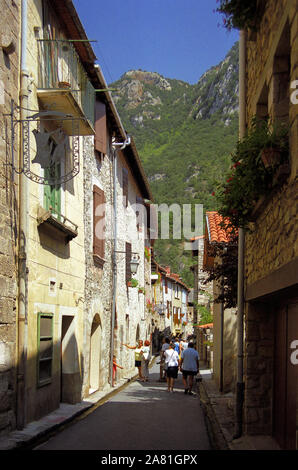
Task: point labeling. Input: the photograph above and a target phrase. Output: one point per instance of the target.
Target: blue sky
(177, 38)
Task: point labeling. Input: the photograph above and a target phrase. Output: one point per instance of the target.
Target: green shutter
(44, 348)
(52, 193)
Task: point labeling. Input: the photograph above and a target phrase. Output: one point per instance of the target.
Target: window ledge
(98, 260)
(54, 227)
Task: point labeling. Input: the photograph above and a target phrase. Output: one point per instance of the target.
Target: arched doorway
(95, 354)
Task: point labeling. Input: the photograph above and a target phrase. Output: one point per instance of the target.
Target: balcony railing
(60, 68)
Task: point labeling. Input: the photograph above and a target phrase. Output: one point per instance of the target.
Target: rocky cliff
(184, 134)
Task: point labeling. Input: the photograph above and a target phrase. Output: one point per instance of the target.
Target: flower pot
(270, 157)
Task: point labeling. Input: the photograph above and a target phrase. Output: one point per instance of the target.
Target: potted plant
(132, 283)
(275, 144)
(147, 253)
(246, 180)
(249, 179)
(141, 290)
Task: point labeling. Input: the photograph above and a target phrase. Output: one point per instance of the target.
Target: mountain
(184, 135)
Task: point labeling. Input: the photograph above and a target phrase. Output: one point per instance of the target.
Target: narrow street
(142, 416)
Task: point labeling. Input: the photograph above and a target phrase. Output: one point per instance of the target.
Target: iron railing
(59, 67)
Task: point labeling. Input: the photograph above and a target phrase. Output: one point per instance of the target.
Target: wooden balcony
(63, 86)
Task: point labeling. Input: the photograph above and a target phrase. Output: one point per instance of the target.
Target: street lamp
(134, 263)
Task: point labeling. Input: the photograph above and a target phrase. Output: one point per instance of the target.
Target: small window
(127, 262)
(45, 348)
(98, 223)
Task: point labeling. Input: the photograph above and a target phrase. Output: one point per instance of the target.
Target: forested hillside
(184, 135)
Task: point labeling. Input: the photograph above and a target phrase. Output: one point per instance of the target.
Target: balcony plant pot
(271, 156)
(64, 85)
(132, 283)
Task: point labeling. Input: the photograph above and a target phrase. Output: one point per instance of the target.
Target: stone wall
(259, 329)
(9, 81)
(98, 280)
(272, 242)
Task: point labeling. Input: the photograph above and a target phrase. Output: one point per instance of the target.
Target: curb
(217, 437)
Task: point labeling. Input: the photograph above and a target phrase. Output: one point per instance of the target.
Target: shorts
(172, 372)
(186, 373)
(138, 363)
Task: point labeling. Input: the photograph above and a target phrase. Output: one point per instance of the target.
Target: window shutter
(125, 186)
(98, 222)
(127, 260)
(100, 140)
(140, 213)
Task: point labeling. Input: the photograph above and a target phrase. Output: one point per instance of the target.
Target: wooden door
(285, 376)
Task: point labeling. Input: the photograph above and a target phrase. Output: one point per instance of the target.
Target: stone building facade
(57, 325)
(9, 90)
(271, 249)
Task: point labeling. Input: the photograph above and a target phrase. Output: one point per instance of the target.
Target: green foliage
(205, 315)
(241, 14)
(224, 272)
(248, 179)
(133, 283)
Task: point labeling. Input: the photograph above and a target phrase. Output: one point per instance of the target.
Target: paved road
(143, 416)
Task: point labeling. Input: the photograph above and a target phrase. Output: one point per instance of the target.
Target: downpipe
(241, 245)
(115, 146)
(22, 311)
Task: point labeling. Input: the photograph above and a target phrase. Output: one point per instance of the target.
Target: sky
(179, 39)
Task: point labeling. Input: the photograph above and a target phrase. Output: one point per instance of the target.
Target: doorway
(69, 362)
(285, 411)
(95, 355)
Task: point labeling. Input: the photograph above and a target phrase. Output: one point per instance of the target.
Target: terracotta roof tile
(215, 232)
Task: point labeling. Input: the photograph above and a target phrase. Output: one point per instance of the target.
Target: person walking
(162, 371)
(189, 365)
(172, 365)
(138, 357)
(115, 365)
(183, 345)
(145, 360)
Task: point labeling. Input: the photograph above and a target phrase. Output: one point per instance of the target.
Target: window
(100, 140)
(45, 348)
(98, 223)
(52, 193)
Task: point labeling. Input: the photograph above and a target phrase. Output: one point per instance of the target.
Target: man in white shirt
(189, 367)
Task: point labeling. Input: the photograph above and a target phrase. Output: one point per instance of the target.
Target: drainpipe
(23, 240)
(122, 145)
(222, 311)
(241, 241)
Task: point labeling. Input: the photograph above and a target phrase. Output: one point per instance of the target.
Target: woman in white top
(146, 360)
(172, 363)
